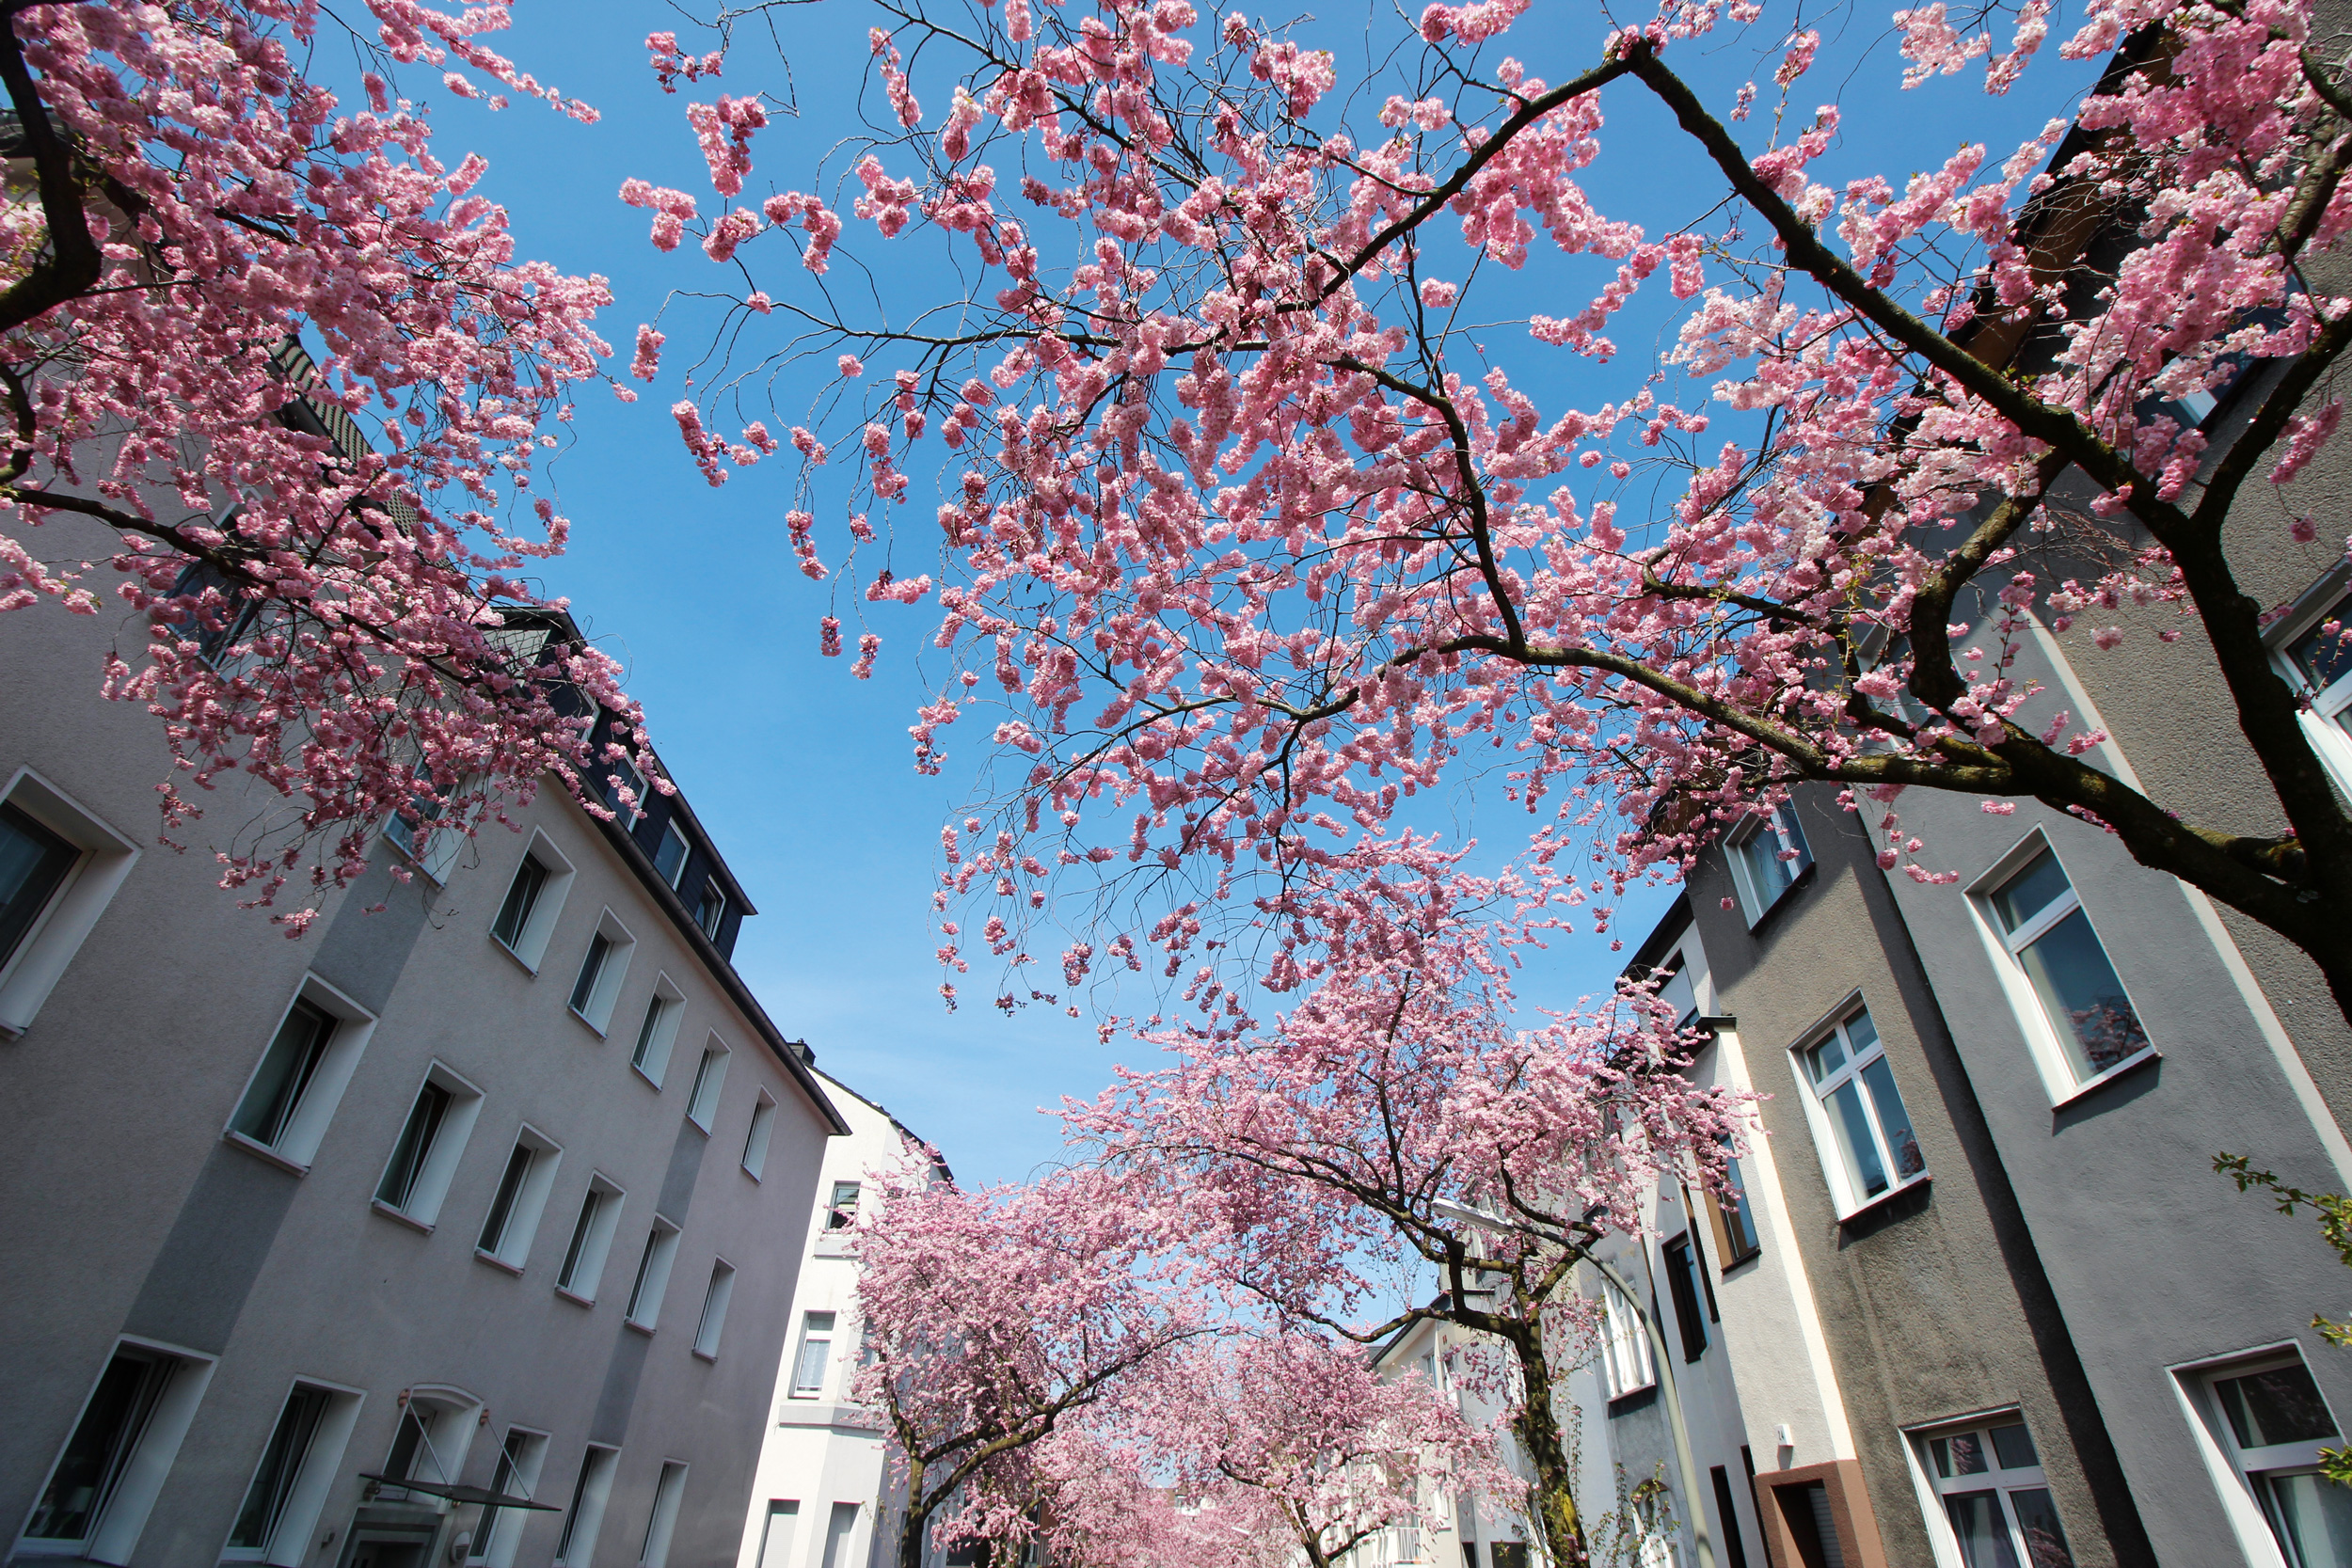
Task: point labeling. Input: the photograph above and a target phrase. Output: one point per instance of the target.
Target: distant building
(465, 1231)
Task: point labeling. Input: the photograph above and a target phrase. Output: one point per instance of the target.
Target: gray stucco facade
(136, 1223)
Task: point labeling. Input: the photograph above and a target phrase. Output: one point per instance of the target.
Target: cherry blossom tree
(285, 364)
(991, 1320)
(1259, 518)
(1396, 1126)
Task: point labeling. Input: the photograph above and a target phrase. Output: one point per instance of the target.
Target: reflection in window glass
(1877, 1149)
(2277, 1425)
(2048, 934)
(1995, 1498)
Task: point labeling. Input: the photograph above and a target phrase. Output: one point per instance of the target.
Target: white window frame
(2051, 1061)
(677, 873)
(710, 1076)
(297, 1147)
(122, 1515)
(2323, 720)
(513, 1243)
(1844, 1185)
(833, 1209)
(711, 912)
(668, 1492)
(591, 1489)
(456, 1414)
(314, 1476)
(28, 974)
(441, 843)
(426, 1194)
(625, 816)
(1627, 1364)
(651, 1283)
(1933, 1489)
(531, 942)
(775, 1549)
(497, 1547)
(653, 1060)
(606, 989)
(596, 1250)
(1781, 822)
(810, 1333)
(761, 1133)
(713, 1321)
(2232, 1476)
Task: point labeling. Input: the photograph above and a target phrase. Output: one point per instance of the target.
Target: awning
(455, 1494)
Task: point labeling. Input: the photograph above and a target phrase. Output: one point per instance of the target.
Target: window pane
(1825, 1058)
(494, 1228)
(2012, 1447)
(2324, 654)
(1738, 1219)
(568, 1278)
(1983, 1533)
(2086, 1002)
(645, 1032)
(2038, 1522)
(2316, 1516)
(600, 949)
(1768, 874)
(2281, 1406)
(1864, 1033)
(33, 861)
(841, 1212)
(1853, 1139)
(1893, 1121)
(1967, 1455)
(100, 1446)
(671, 858)
(522, 896)
(2029, 892)
(281, 1463)
(416, 1143)
(286, 1070)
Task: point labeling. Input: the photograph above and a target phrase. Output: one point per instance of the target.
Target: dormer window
(713, 909)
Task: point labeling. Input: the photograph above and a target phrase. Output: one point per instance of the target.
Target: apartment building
(820, 1495)
(463, 1230)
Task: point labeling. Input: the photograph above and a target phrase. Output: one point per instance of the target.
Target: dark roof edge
(1670, 925)
(665, 897)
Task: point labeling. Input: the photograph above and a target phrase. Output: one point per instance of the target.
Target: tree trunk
(917, 1522)
(1537, 1428)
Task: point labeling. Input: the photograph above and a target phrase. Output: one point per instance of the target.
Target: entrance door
(389, 1554)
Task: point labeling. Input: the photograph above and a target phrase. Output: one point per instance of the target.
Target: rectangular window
(670, 860)
(712, 910)
(622, 774)
(603, 968)
(521, 1197)
(585, 1516)
(287, 1070)
(1735, 1543)
(2274, 1423)
(755, 1141)
(838, 1529)
(1767, 856)
(714, 1318)
(1683, 1289)
(591, 1240)
(500, 1529)
(1734, 1220)
(526, 917)
(60, 867)
(808, 1366)
(2311, 648)
(591, 966)
(1626, 1365)
(663, 1522)
(522, 901)
(1987, 1478)
(841, 1209)
(105, 1483)
(776, 1536)
(658, 1031)
(440, 1119)
(264, 1507)
(653, 1275)
(33, 864)
(1870, 1148)
(2049, 938)
(702, 1101)
(430, 1440)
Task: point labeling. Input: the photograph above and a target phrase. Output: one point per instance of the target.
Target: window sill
(417, 863)
(1865, 1210)
(262, 1152)
(520, 963)
(748, 1171)
(423, 1227)
(2122, 1070)
(645, 1329)
(697, 1125)
(1632, 1400)
(497, 1262)
(710, 1355)
(586, 1304)
(587, 1023)
(648, 1079)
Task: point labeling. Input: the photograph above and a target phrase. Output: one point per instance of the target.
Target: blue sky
(803, 773)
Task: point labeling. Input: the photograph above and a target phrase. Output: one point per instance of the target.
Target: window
(653, 1275)
(99, 1493)
(522, 1196)
(714, 1318)
(1677, 992)
(430, 1440)
(2311, 648)
(712, 910)
(526, 916)
(1735, 1544)
(1626, 1365)
(755, 1141)
(808, 1366)
(500, 1529)
(1733, 1217)
(670, 860)
(1683, 1289)
(1988, 1477)
(662, 1521)
(592, 1239)
(416, 1179)
(776, 1536)
(288, 1489)
(838, 1529)
(1768, 853)
(841, 1211)
(601, 972)
(2074, 989)
(229, 620)
(2272, 1424)
(702, 1101)
(417, 831)
(658, 1031)
(301, 1076)
(59, 865)
(623, 775)
(585, 1516)
(1869, 1148)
